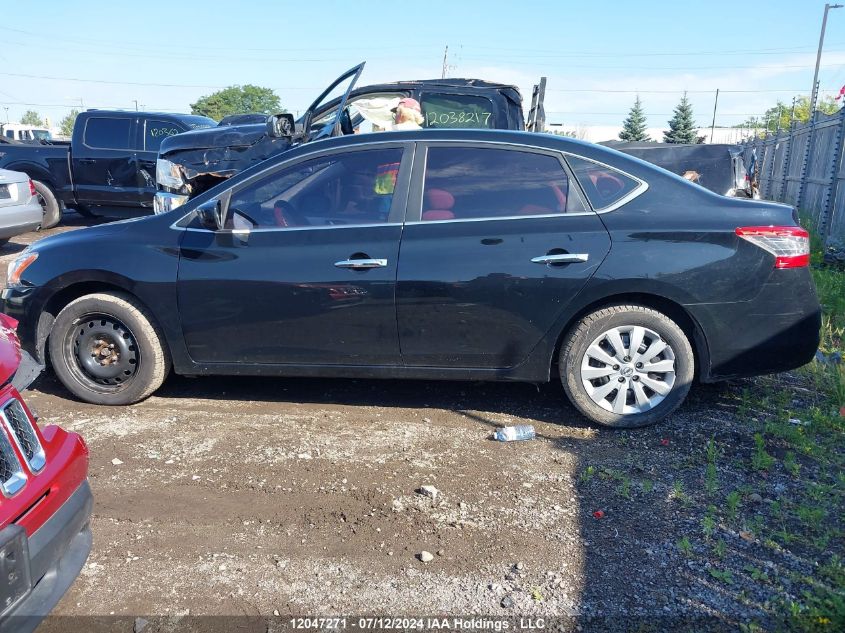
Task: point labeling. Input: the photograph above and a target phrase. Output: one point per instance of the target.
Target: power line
(710, 91)
(106, 81)
(144, 46)
(649, 68)
(162, 45)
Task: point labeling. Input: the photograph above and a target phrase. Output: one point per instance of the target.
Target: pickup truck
(108, 167)
(192, 163)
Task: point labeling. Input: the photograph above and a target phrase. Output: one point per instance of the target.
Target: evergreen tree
(682, 124)
(634, 127)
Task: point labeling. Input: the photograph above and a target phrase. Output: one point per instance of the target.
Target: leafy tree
(237, 100)
(781, 112)
(682, 124)
(66, 124)
(634, 128)
(31, 117)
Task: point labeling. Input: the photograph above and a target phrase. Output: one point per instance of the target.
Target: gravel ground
(234, 496)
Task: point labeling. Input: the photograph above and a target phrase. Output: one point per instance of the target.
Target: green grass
(587, 474)
(760, 459)
(711, 480)
(732, 503)
(724, 576)
(811, 517)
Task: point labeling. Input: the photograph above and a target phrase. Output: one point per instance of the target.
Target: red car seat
(438, 205)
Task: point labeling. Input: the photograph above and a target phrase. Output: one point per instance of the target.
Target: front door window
(349, 188)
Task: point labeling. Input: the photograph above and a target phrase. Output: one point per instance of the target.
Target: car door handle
(87, 161)
(361, 264)
(561, 258)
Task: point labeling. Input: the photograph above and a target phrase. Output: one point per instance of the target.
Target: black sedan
(455, 254)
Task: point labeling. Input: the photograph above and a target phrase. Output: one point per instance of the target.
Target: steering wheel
(287, 215)
(346, 126)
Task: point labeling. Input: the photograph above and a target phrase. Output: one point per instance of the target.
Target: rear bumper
(776, 331)
(57, 552)
(19, 219)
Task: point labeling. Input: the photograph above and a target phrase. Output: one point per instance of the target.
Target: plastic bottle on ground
(515, 433)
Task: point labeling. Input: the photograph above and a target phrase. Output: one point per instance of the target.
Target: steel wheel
(102, 352)
(628, 370)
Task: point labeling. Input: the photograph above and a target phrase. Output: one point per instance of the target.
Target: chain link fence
(803, 166)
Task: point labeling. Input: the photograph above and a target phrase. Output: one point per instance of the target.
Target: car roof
(510, 137)
(449, 83)
(145, 113)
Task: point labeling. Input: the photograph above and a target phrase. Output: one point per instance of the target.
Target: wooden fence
(804, 166)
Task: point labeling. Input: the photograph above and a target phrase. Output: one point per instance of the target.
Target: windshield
(41, 135)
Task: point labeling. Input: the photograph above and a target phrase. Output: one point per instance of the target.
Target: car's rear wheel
(626, 366)
(50, 207)
(106, 349)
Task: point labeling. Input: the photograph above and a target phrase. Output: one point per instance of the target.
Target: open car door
(336, 125)
(537, 114)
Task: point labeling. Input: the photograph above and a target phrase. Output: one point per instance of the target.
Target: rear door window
(457, 111)
(603, 185)
(157, 131)
(107, 133)
(470, 183)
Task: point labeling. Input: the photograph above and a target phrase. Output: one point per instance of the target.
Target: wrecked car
(108, 167)
(717, 167)
(191, 163)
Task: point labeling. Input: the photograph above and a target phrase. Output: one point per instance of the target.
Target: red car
(45, 502)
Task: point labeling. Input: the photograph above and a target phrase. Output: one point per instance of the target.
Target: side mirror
(210, 215)
(281, 125)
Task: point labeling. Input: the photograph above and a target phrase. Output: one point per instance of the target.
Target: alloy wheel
(628, 370)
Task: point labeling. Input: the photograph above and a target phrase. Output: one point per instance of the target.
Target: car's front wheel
(106, 349)
(626, 366)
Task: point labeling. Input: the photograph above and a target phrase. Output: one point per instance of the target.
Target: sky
(597, 55)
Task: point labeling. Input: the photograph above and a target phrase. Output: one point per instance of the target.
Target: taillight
(789, 244)
(32, 190)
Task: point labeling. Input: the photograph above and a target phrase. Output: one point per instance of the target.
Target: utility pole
(713, 125)
(792, 114)
(445, 54)
(136, 104)
(6, 108)
(814, 95)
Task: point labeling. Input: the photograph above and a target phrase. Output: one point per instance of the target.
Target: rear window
(457, 111)
(157, 131)
(465, 183)
(107, 133)
(603, 185)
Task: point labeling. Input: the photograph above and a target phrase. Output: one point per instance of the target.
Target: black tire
(50, 206)
(658, 328)
(107, 349)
